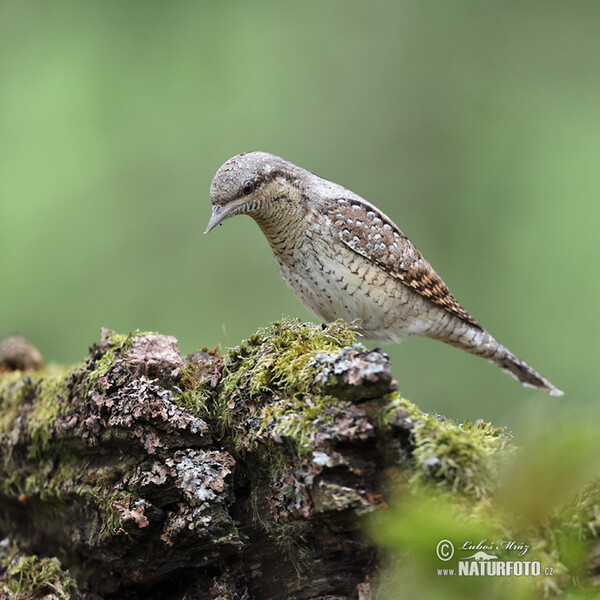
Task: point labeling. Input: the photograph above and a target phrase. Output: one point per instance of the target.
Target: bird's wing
(370, 233)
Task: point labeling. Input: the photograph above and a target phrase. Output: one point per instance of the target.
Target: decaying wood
(130, 471)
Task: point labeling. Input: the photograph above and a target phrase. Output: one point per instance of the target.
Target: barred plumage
(344, 258)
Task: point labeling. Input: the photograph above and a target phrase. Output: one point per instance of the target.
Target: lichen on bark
(248, 474)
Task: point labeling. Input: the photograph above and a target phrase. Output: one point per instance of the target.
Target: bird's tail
(480, 343)
(521, 371)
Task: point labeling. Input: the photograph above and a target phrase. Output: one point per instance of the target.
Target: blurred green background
(474, 125)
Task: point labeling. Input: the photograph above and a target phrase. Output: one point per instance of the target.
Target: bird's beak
(219, 214)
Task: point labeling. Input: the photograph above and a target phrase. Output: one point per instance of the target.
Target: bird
(345, 259)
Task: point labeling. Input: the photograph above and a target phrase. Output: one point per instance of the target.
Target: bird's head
(248, 183)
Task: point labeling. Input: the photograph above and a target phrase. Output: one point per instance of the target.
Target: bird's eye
(248, 188)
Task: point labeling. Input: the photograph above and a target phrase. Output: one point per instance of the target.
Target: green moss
(268, 388)
(299, 419)
(277, 358)
(54, 473)
(110, 517)
(194, 400)
(51, 483)
(14, 389)
(41, 395)
(565, 539)
(195, 382)
(268, 384)
(269, 399)
(290, 536)
(116, 346)
(463, 457)
(531, 495)
(38, 577)
(420, 517)
(47, 393)
(51, 401)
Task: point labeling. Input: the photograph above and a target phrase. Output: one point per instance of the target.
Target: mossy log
(142, 473)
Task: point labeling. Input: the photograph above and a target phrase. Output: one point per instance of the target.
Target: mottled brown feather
(370, 233)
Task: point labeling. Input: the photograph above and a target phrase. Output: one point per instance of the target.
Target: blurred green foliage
(474, 125)
(544, 502)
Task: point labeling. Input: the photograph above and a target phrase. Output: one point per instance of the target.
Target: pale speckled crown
(228, 182)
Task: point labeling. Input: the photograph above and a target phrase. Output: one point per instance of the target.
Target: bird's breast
(334, 282)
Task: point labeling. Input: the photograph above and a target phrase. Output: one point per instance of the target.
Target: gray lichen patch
(333, 497)
(201, 474)
(202, 518)
(353, 373)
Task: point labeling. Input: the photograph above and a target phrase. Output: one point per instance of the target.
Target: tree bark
(148, 474)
